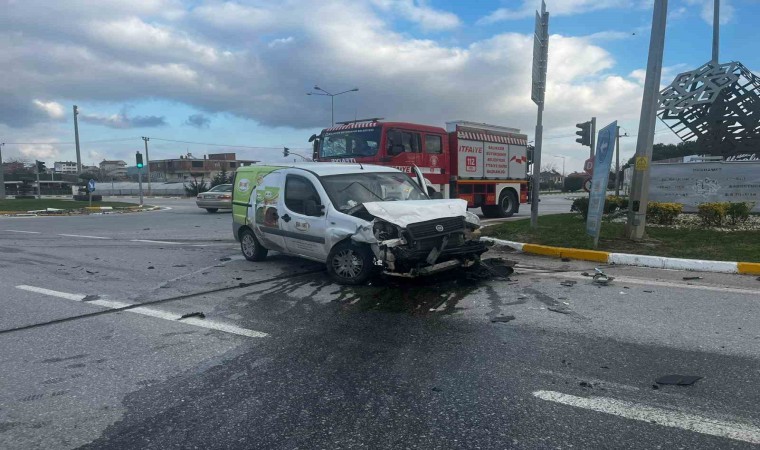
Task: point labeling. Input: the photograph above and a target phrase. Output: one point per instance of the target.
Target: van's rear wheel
(250, 246)
(349, 263)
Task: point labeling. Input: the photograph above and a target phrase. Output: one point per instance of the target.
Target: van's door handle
(286, 218)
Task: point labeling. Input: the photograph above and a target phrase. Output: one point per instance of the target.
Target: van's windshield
(350, 190)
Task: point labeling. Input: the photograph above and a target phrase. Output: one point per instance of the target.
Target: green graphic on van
(266, 206)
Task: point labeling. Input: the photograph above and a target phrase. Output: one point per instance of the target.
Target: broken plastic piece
(558, 310)
(568, 283)
(692, 278)
(503, 319)
(680, 380)
(192, 314)
(602, 278)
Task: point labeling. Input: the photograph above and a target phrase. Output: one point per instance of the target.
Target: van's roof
(324, 168)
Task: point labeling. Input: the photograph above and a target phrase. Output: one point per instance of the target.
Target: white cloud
(556, 8)
(706, 10)
(281, 41)
(39, 151)
(418, 11)
(53, 109)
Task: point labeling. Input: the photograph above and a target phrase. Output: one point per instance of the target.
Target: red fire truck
(483, 164)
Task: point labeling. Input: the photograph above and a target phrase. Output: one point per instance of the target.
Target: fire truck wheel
(507, 205)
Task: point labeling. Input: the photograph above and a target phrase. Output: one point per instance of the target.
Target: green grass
(58, 203)
(569, 230)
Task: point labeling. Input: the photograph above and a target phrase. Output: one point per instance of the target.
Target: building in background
(187, 167)
(550, 179)
(65, 167)
(113, 169)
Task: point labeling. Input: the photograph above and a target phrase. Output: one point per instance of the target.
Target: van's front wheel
(349, 263)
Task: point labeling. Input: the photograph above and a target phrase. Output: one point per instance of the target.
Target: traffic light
(40, 166)
(139, 160)
(584, 133)
(285, 152)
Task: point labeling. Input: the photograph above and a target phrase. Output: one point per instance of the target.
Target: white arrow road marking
(210, 324)
(664, 417)
(27, 232)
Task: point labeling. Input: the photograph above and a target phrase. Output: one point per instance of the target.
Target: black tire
(250, 246)
(508, 204)
(350, 263)
(489, 211)
(212, 210)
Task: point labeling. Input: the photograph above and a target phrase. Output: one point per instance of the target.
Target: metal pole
(76, 140)
(617, 163)
(147, 162)
(332, 109)
(39, 188)
(637, 211)
(592, 138)
(716, 31)
(2, 174)
(139, 180)
(535, 180)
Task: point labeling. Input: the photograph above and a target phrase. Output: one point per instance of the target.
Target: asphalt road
(286, 359)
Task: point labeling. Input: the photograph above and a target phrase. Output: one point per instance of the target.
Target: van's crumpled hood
(403, 213)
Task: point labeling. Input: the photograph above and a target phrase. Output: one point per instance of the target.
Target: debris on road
(680, 380)
(179, 265)
(566, 260)
(585, 384)
(151, 267)
(225, 259)
(192, 314)
(568, 283)
(586, 274)
(692, 278)
(436, 389)
(602, 278)
(655, 387)
(502, 319)
(649, 292)
(89, 298)
(559, 310)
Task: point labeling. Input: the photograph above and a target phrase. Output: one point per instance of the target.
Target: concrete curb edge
(658, 262)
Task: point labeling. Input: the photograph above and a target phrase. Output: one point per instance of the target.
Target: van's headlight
(472, 219)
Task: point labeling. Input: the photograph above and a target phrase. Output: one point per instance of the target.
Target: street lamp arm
(350, 90)
(318, 93)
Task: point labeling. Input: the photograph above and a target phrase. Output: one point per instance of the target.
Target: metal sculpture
(719, 105)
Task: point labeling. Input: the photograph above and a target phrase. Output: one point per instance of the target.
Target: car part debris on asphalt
(692, 278)
(680, 380)
(568, 283)
(503, 319)
(602, 278)
(193, 314)
(559, 310)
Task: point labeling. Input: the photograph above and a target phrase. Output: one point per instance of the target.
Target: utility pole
(637, 211)
(2, 173)
(76, 140)
(538, 93)
(147, 161)
(716, 31)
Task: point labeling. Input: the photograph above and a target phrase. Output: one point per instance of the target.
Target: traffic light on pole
(40, 166)
(584, 133)
(139, 160)
(285, 152)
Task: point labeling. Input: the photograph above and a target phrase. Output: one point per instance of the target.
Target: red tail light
(199, 197)
(224, 197)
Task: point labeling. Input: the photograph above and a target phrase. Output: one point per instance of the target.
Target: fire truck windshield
(356, 143)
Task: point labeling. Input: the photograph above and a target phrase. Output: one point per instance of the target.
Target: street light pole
(147, 161)
(76, 140)
(2, 173)
(332, 99)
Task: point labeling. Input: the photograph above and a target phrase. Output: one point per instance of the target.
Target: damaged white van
(355, 218)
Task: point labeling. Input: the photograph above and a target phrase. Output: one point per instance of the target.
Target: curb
(657, 262)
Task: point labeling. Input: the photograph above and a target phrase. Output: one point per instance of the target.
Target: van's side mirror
(436, 196)
(311, 208)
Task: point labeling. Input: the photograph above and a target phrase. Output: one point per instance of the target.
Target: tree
(221, 178)
(86, 176)
(195, 187)
(667, 151)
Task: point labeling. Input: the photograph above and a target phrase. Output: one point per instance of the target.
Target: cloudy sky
(237, 73)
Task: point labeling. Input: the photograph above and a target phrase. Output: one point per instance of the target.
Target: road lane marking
(27, 232)
(629, 280)
(210, 324)
(650, 414)
(39, 290)
(174, 318)
(84, 236)
(155, 242)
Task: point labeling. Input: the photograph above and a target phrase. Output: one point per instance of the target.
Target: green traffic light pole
(138, 158)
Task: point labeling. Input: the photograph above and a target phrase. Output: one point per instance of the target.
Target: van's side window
(297, 191)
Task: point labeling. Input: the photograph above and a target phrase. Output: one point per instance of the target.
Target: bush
(195, 187)
(573, 184)
(713, 214)
(738, 212)
(611, 205)
(663, 213)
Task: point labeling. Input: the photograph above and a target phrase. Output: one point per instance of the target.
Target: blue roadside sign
(91, 185)
(605, 148)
